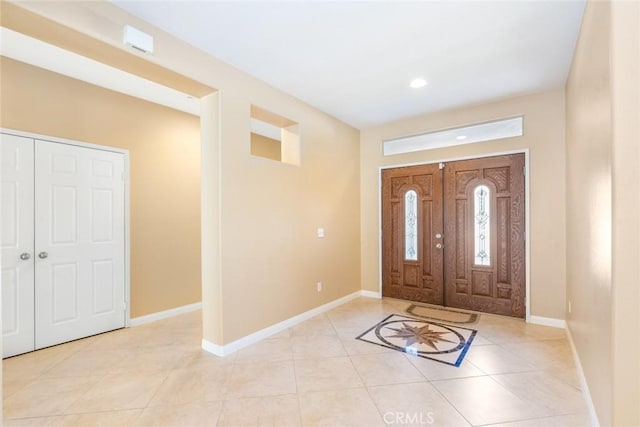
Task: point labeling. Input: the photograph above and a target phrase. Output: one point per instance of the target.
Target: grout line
(364, 384)
(448, 401)
(157, 390)
(295, 377)
(366, 388)
(546, 417)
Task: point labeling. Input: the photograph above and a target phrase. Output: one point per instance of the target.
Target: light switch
(320, 232)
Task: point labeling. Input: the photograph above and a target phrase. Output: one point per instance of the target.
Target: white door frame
(527, 207)
(127, 228)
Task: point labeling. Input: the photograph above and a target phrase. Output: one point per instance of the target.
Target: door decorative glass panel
(411, 225)
(481, 224)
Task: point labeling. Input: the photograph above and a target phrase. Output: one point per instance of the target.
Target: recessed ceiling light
(461, 137)
(417, 83)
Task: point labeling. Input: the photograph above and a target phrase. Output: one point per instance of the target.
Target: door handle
(43, 255)
(25, 256)
(439, 245)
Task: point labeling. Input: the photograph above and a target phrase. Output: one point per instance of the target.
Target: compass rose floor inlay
(436, 341)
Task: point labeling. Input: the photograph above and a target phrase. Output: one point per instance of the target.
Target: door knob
(25, 256)
(439, 245)
(438, 236)
(43, 255)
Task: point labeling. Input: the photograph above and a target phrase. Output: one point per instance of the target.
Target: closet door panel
(80, 276)
(17, 244)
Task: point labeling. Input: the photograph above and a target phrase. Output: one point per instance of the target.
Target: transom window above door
(469, 134)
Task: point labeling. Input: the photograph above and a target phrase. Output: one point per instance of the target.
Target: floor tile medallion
(430, 340)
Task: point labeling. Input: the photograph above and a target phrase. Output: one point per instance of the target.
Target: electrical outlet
(319, 286)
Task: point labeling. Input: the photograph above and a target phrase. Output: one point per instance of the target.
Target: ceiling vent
(137, 39)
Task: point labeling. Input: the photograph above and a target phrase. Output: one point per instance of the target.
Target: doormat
(442, 314)
(430, 340)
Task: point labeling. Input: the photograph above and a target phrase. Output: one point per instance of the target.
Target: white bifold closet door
(17, 245)
(78, 246)
(79, 235)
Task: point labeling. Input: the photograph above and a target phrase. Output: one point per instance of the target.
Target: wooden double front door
(454, 234)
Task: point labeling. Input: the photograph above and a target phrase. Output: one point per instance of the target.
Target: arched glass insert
(411, 226)
(481, 220)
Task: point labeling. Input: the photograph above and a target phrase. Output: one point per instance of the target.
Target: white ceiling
(354, 60)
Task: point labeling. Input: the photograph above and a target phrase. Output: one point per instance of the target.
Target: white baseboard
(371, 294)
(137, 321)
(212, 348)
(547, 321)
(583, 382)
(253, 338)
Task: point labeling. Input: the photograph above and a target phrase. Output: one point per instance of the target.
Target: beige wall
(164, 148)
(271, 255)
(603, 214)
(589, 142)
(543, 136)
(210, 218)
(625, 76)
(263, 146)
(262, 216)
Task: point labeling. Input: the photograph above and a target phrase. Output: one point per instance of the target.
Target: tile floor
(314, 374)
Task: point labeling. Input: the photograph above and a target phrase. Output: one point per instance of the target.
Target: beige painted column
(210, 223)
(625, 88)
